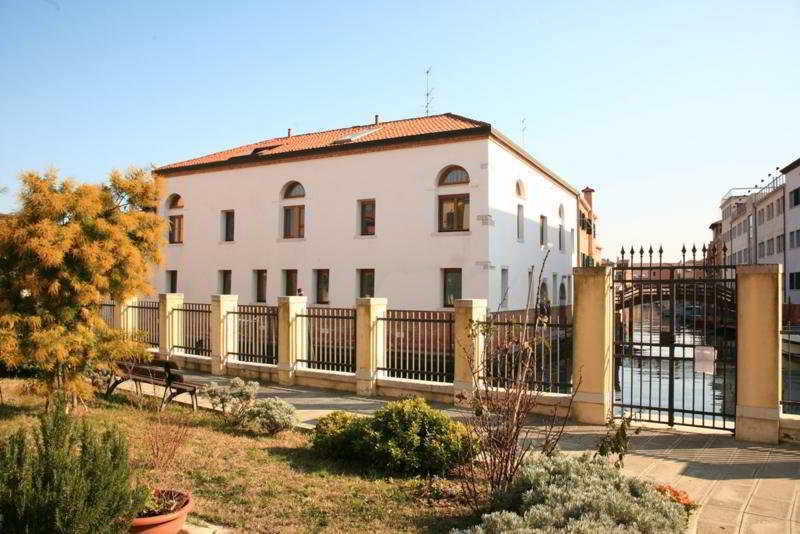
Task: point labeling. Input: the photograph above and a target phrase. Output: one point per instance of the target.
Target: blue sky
(660, 106)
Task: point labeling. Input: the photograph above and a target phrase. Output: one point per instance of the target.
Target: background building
(422, 211)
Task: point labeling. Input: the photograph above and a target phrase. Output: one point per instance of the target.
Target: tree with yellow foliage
(67, 249)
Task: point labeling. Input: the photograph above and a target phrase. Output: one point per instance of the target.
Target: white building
(762, 225)
(791, 173)
(421, 211)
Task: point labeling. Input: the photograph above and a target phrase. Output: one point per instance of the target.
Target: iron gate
(675, 340)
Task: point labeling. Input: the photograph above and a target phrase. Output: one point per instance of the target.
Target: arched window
(562, 293)
(520, 189)
(453, 175)
(175, 235)
(561, 211)
(294, 190)
(174, 202)
(294, 216)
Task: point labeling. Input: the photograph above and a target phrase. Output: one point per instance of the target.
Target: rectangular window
(761, 216)
(176, 228)
(779, 206)
(770, 247)
(225, 282)
(779, 243)
(761, 250)
(294, 222)
(504, 287)
(227, 225)
(451, 286)
(260, 276)
(543, 230)
(172, 281)
(770, 211)
(561, 237)
(366, 283)
(453, 213)
(794, 197)
(791, 239)
(520, 222)
(290, 282)
(322, 282)
(366, 217)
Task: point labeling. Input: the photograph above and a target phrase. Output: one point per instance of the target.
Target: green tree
(68, 248)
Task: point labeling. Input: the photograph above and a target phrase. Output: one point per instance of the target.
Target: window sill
(175, 244)
(290, 239)
(359, 236)
(520, 240)
(227, 242)
(456, 232)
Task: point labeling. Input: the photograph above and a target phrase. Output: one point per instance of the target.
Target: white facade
(407, 252)
(792, 267)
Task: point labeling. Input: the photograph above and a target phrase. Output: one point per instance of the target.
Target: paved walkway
(742, 488)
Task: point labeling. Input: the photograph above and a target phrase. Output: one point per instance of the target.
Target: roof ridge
(271, 139)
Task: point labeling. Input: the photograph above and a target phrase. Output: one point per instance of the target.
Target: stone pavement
(742, 487)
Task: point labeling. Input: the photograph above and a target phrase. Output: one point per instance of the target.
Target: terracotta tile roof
(333, 139)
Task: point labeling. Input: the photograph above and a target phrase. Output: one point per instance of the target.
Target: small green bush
(270, 416)
(67, 478)
(582, 495)
(404, 437)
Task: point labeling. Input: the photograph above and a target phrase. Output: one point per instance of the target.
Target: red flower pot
(170, 523)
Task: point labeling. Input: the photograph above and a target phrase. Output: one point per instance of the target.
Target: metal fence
(256, 329)
(791, 369)
(419, 345)
(552, 356)
(331, 337)
(194, 319)
(146, 313)
(107, 312)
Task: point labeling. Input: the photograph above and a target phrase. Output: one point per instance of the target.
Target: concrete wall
(542, 197)
(407, 251)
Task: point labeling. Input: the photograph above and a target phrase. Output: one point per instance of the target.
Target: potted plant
(164, 513)
(165, 509)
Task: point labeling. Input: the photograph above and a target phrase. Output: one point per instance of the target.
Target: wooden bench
(157, 372)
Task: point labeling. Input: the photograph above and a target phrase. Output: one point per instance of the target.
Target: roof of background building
(790, 167)
(377, 134)
(350, 136)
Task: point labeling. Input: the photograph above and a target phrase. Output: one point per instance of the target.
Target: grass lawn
(262, 484)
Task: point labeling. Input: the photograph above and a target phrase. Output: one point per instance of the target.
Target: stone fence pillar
(370, 348)
(125, 317)
(292, 333)
(758, 345)
(170, 328)
(469, 346)
(593, 357)
(224, 330)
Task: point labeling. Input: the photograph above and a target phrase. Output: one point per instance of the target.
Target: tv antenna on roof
(428, 91)
(524, 127)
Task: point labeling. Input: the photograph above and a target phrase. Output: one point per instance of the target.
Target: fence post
(125, 317)
(468, 348)
(758, 346)
(170, 330)
(292, 343)
(593, 354)
(370, 349)
(224, 333)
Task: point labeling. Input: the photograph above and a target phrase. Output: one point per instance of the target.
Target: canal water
(642, 378)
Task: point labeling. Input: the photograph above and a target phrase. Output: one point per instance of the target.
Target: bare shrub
(503, 402)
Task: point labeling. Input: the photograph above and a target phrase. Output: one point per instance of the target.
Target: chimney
(377, 118)
(289, 133)
(587, 195)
